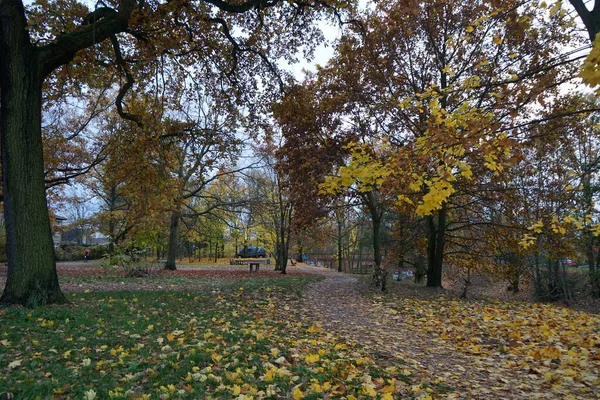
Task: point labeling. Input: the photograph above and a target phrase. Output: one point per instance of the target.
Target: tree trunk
(339, 249)
(31, 278)
(173, 239)
(283, 250)
(420, 269)
(435, 247)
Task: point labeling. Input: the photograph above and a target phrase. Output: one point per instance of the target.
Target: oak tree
(51, 36)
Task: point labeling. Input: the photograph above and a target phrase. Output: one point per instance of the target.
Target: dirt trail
(338, 305)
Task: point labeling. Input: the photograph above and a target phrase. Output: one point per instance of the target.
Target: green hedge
(75, 252)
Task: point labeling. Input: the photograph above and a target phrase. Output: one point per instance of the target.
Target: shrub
(74, 252)
(131, 261)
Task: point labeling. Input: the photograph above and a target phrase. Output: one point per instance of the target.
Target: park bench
(236, 261)
(255, 264)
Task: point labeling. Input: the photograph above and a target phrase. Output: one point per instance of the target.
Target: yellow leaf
(298, 394)
(369, 391)
(316, 387)
(590, 70)
(311, 358)
(555, 8)
(269, 375)
(236, 390)
(216, 357)
(15, 364)
(89, 395)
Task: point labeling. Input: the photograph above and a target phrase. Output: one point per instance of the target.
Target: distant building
(57, 230)
(97, 238)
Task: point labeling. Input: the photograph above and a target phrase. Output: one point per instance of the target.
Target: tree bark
(591, 19)
(173, 241)
(435, 247)
(31, 279)
(340, 255)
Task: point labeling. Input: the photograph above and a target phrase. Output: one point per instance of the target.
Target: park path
(338, 305)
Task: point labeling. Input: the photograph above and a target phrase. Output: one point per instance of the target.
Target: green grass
(246, 341)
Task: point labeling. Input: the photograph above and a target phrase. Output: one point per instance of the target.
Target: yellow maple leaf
(369, 390)
(311, 358)
(298, 394)
(236, 390)
(316, 387)
(555, 8)
(590, 70)
(216, 357)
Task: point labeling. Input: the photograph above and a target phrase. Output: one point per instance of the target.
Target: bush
(131, 261)
(75, 252)
(552, 282)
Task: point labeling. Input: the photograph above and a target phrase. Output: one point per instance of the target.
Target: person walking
(86, 255)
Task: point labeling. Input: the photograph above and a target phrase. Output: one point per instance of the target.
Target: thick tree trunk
(173, 241)
(590, 18)
(435, 247)
(31, 278)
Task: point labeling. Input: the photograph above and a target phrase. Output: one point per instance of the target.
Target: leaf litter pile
(275, 339)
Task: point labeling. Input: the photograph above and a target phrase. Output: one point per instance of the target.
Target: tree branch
(128, 83)
(108, 22)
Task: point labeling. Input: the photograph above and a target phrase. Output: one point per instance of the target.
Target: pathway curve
(337, 304)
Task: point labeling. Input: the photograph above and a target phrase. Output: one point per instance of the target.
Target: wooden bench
(255, 264)
(236, 261)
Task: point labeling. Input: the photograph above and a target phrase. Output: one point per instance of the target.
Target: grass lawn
(235, 341)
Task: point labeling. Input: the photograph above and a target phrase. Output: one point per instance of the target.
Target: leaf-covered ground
(468, 349)
(179, 345)
(193, 335)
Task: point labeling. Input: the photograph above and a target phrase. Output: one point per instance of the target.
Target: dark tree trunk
(379, 273)
(435, 247)
(173, 241)
(112, 229)
(31, 278)
(420, 269)
(339, 249)
(282, 247)
(590, 18)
